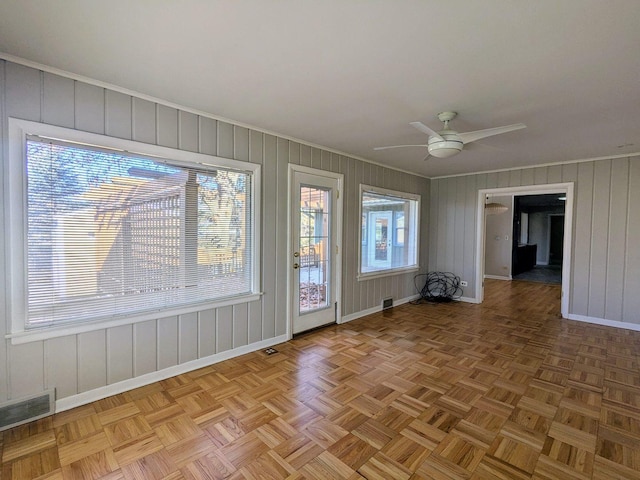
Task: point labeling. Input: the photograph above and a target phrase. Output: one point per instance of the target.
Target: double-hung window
(389, 231)
(99, 233)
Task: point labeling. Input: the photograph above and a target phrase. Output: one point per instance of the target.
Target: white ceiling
(351, 74)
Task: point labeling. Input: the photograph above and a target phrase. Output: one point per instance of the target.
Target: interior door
(379, 241)
(314, 244)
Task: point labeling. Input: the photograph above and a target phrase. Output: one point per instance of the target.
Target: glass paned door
(380, 239)
(313, 257)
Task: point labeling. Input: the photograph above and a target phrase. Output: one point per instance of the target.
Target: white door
(315, 213)
(379, 241)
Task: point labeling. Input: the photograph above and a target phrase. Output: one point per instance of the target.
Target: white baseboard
(468, 299)
(605, 322)
(499, 277)
(369, 311)
(142, 380)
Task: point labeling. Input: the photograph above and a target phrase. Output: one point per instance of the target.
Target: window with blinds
(112, 234)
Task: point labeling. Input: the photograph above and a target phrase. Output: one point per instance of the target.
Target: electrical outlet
(463, 283)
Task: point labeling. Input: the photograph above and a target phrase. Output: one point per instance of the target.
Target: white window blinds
(112, 234)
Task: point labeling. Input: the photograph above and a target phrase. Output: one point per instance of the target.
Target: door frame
(338, 215)
(565, 189)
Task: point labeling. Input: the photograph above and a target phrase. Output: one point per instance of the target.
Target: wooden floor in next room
(502, 390)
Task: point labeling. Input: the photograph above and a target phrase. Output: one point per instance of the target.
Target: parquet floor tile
(505, 390)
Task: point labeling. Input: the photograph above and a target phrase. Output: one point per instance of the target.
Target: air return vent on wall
(387, 303)
(27, 409)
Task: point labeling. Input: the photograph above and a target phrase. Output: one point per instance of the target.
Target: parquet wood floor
(502, 390)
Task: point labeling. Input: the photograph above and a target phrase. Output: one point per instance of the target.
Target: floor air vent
(17, 412)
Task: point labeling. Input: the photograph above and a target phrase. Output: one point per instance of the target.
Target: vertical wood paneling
(255, 321)
(92, 360)
(225, 140)
(241, 144)
(144, 121)
(316, 158)
(325, 160)
(305, 155)
(336, 163)
(269, 237)
(145, 344)
(451, 224)
(58, 100)
(282, 158)
(240, 325)
(207, 333)
(569, 172)
(167, 134)
(27, 369)
(188, 130)
(208, 136)
(167, 342)
(631, 300)
(119, 353)
(294, 153)
(458, 238)
(4, 359)
(470, 222)
(492, 180)
(118, 115)
(504, 179)
(256, 145)
(188, 337)
(617, 239)
(349, 252)
(599, 238)
(224, 330)
(434, 208)
(22, 92)
(425, 222)
(540, 175)
(89, 108)
(582, 249)
(515, 178)
(554, 174)
(527, 177)
(61, 363)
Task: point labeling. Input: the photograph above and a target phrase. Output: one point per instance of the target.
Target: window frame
(363, 242)
(16, 232)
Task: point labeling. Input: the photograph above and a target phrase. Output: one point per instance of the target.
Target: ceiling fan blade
(468, 137)
(398, 146)
(424, 129)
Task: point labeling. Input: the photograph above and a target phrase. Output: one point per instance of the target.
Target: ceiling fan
(447, 142)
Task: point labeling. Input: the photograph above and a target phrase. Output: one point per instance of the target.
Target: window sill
(386, 273)
(45, 333)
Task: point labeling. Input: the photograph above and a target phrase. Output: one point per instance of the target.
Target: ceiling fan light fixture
(445, 149)
(447, 144)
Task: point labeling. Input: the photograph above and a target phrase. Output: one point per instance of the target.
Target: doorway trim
(338, 215)
(561, 188)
